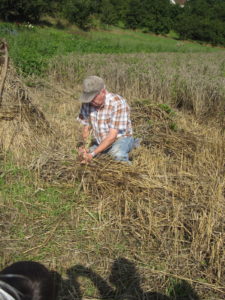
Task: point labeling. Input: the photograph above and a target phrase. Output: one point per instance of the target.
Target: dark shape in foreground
(27, 280)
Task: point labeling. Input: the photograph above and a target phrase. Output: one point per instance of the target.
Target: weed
(173, 126)
(167, 108)
(179, 289)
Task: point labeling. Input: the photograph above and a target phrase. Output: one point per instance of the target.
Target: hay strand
(4, 60)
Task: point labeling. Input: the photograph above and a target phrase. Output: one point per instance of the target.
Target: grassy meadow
(147, 230)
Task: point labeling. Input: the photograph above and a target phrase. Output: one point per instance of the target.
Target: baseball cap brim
(88, 97)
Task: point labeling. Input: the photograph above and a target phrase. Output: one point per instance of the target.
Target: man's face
(99, 99)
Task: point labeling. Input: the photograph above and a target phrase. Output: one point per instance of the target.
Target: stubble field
(111, 230)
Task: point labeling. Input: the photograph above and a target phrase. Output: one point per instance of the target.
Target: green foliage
(78, 12)
(202, 20)
(166, 108)
(32, 48)
(153, 15)
(121, 8)
(7, 29)
(157, 16)
(18, 184)
(108, 13)
(173, 126)
(180, 289)
(134, 14)
(24, 10)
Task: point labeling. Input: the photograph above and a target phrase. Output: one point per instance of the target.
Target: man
(107, 115)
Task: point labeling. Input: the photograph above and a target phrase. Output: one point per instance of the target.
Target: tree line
(202, 20)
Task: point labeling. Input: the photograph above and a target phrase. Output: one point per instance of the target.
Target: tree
(157, 16)
(24, 10)
(108, 13)
(202, 20)
(78, 12)
(121, 9)
(154, 15)
(134, 14)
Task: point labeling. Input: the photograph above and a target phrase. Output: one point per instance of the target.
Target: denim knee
(120, 156)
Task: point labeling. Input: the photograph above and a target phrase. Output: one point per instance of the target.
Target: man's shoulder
(115, 99)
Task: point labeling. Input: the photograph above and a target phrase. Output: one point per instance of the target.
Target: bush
(78, 12)
(24, 10)
(108, 13)
(202, 20)
(134, 15)
(151, 15)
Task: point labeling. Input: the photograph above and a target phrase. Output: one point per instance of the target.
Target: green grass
(39, 217)
(126, 41)
(27, 203)
(32, 48)
(18, 186)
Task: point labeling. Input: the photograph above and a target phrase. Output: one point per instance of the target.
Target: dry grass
(23, 125)
(194, 82)
(165, 212)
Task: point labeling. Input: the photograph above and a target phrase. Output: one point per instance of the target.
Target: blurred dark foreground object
(27, 280)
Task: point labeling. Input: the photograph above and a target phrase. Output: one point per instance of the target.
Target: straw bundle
(21, 121)
(157, 128)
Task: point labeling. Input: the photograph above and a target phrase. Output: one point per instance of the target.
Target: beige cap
(92, 86)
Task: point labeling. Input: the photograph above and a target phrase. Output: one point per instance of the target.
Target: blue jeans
(120, 148)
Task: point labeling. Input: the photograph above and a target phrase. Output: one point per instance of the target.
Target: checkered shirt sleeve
(84, 115)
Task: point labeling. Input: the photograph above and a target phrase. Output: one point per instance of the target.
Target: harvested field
(160, 219)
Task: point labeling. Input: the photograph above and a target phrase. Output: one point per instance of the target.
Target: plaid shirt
(115, 113)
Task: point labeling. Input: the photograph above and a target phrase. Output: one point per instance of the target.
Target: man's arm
(83, 118)
(85, 133)
(106, 143)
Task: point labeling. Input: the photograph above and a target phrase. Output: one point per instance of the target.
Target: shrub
(203, 21)
(151, 15)
(24, 10)
(78, 12)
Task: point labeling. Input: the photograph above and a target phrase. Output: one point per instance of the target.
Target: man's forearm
(85, 134)
(107, 142)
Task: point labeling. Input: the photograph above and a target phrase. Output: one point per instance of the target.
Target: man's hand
(87, 157)
(82, 150)
(107, 142)
(84, 155)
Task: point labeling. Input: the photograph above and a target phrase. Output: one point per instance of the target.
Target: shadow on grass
(126, 283)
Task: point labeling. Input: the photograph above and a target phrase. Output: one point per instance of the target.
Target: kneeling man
(107, 117)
